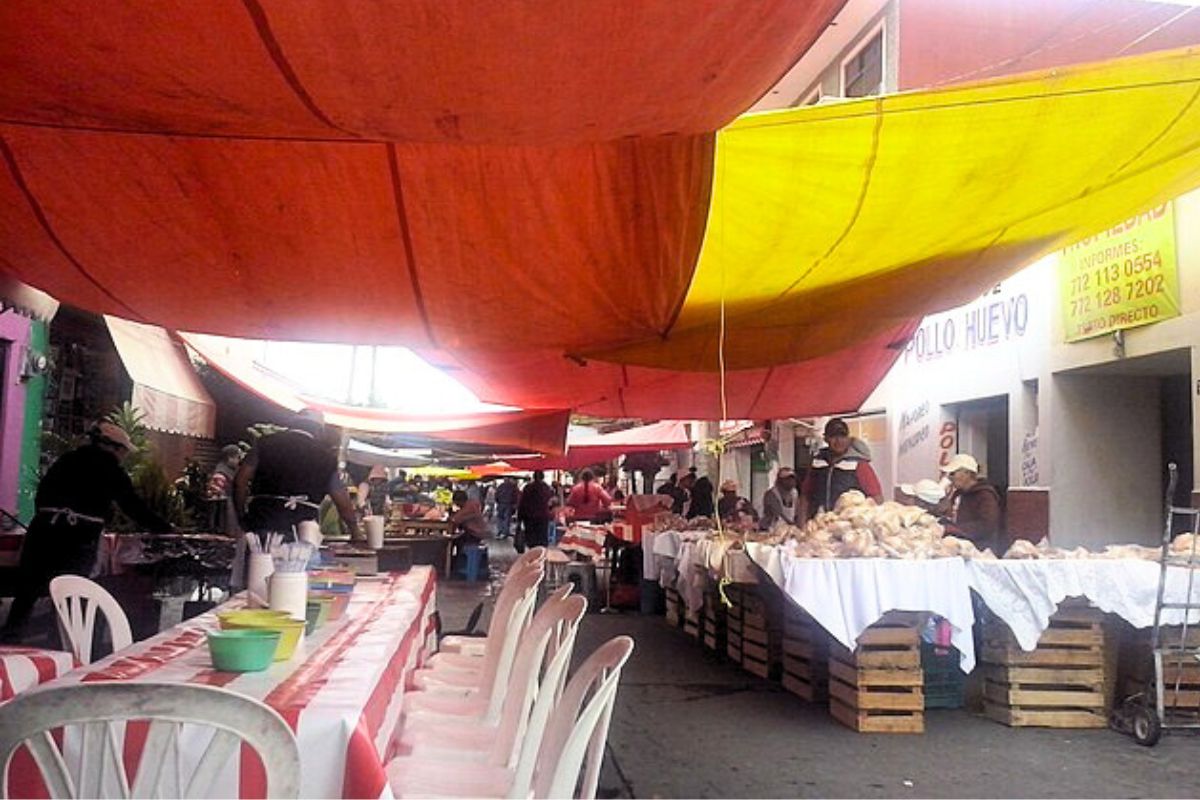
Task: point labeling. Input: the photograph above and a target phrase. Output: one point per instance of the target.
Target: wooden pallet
(804, 657)
(1068, 681)
(878, 687)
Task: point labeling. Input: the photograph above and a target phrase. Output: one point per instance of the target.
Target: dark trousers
(537, 532)
(49, 550)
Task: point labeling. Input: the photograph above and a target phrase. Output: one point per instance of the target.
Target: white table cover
(342, 694)
(846, 596)
(1025, 593)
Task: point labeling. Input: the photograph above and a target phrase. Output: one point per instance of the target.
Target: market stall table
(22, 668)
(1025, 593)
(341, 694)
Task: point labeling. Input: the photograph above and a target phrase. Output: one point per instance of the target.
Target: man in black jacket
(74, 502)
(533, 511)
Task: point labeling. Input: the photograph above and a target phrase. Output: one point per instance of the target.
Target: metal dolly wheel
(1172, 700)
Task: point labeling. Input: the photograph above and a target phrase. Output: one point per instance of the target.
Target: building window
(862, 74)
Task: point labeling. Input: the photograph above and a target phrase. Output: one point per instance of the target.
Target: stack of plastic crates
(944, 681)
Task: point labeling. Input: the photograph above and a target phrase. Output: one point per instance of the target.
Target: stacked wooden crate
(878, 687)
(1181, 671)
(762, 630)
(733, 622)
(1066, 682)
(714, 622)
(692, 621)
(674, 605)
(804, 656)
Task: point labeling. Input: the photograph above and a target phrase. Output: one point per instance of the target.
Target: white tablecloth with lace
(1024, 593)
(848, 595)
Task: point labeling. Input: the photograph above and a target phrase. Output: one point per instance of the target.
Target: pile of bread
(858, 527)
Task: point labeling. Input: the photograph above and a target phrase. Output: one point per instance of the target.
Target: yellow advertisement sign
(1121, 278)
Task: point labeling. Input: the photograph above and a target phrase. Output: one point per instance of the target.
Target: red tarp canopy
(539, 430)
(202, 166)
(665, 435)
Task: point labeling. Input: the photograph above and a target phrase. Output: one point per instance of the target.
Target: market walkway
(687, 725)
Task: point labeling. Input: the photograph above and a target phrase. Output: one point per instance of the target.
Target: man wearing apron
(284, 478)
(74, 502)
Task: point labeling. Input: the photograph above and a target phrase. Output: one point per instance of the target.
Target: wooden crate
(733, 623)
(761, 632)
(1181, 675)
(674, 605)
(1066, 682)
(692, 622)
(804, 657)
(714, 622)
(878, 687)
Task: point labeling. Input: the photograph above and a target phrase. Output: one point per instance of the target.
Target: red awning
(832, 383)
(666, 435)
(165, 386)
(539, 430)
(280, 139)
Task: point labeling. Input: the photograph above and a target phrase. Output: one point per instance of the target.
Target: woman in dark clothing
(974, 505)
(702, 499)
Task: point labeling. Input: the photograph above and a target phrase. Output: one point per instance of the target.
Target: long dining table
(341, 692)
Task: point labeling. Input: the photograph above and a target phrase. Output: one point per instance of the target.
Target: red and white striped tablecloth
(341, 693)
(23, 668)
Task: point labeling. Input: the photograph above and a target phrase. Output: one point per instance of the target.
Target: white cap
(925, 489)
(961, 461)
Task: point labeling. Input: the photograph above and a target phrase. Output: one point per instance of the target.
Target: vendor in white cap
(731, 507)
(925, 493)
(974, 504)
(74, 502)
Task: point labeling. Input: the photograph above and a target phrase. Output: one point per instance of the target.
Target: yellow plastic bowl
(249, 615)
(290, 631)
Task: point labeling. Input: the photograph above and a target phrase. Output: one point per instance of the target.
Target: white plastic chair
(527, 671)
(576, 732)
(93, 716)
(491, 678)
(76, 600)
(540, 669)
(476, 646)
(511, 596)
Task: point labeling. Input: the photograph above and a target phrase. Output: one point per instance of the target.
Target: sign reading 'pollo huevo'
(1121, 278)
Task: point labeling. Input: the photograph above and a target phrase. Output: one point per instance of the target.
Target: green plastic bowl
(245, 650)
(312, 616)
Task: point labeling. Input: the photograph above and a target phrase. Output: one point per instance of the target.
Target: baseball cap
(961, 461)
(837, 427)
(925, 489)
(114, 435)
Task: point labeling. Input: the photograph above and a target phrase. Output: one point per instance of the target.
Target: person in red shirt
(843, 464)
(588, 498)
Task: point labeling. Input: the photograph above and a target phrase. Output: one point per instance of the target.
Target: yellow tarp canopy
(832, 223)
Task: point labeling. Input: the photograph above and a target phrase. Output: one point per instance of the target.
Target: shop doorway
(1118, 425)
(983, 433)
